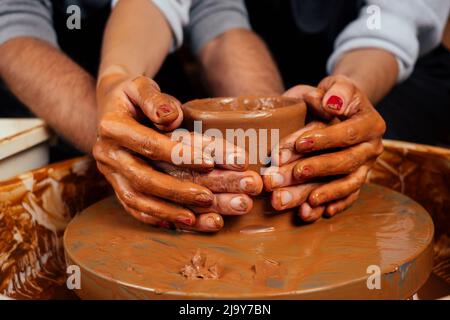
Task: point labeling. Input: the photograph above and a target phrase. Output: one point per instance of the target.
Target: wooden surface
(122, 258)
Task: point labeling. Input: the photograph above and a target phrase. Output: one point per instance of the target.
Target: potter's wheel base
(121, 258)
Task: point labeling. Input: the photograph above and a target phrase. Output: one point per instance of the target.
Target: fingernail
(305, 211)
(238, 204)
(304, 172)
(335, 103)
(164, 110)
(163, 224)
(247, 184)
(204, 198)
(285, 197)
(212, 223)
(276, 180)
(184, 220)
(317, 199)
(305, 144)
(285, 155)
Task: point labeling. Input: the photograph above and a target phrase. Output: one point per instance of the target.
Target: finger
(127, 132)
(217, 180)
(277, 177)
(160, 108)
(142, 217)
(225, 154)
(147, 205)
(340, 188)
(342, 97)
(343, 134)
(207, 222)
(228, 204)
(151, 182)
(310, 214)
(136, 214)
(341, 162)
(223, 181)
(339, 206)
(290, 197)
(313, 97)
(286, 147)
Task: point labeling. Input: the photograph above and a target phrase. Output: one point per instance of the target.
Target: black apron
(301, 33)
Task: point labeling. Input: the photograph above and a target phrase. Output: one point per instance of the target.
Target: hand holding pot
(127, 153)
(323, 166)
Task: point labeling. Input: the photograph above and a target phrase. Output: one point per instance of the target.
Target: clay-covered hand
(323, 166)
(126, 150)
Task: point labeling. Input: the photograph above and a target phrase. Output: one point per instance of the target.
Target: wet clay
(286, 115)
(422, 173)
(120, 257)
(198, 268)
(35, 208)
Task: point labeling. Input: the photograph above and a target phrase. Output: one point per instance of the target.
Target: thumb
(312, 97)
(341, 96)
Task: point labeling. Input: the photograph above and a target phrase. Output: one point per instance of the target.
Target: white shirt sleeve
(407, 29)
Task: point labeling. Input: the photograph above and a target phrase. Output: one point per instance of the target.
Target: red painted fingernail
(183, 220)
(164, 110)
(163, 224)
(335, 103)
(305, 144)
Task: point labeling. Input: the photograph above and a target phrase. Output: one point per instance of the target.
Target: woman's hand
(323, 166)
(129, 154)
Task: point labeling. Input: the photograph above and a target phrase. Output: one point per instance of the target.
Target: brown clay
(198, 268)
(284, 114)
(261, 254)
(35, 209)
(287, 115)
(120, 257)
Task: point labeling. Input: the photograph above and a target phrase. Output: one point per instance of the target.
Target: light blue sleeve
(27, 18)
(211, 18)
(202, 20)
(407, 29)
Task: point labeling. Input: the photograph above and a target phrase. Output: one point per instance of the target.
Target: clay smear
(197, 268)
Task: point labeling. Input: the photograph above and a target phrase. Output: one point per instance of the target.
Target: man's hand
(323, 166)
(129, 153)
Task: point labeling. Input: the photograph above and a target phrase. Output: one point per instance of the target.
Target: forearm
(374, 71)
(137, 39)
(239, 63)
(53, 87)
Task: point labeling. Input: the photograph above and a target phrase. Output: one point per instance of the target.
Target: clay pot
(286, 115)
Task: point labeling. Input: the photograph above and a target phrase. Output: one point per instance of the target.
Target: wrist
(112, 76)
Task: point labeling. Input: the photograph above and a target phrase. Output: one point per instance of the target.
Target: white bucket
(23, 146)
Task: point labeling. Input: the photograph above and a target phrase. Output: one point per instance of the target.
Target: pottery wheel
(121, 258)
